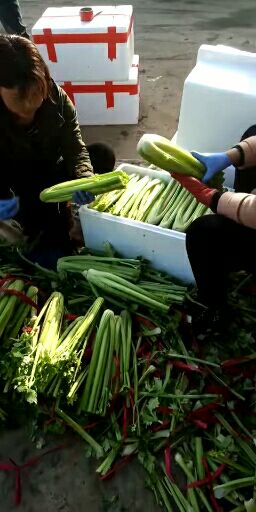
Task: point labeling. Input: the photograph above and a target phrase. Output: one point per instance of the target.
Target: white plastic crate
(109, 102)
(100, 49)
(218, 101)
(164, 248)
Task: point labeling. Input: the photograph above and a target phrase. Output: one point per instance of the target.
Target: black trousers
(217, 246)
(52, 221)
(10, 17)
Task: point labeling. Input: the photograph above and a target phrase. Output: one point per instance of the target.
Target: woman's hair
(22, 66)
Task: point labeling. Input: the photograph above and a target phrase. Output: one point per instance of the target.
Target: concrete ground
(168, 34)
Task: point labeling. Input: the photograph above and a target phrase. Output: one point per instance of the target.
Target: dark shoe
(213, 322)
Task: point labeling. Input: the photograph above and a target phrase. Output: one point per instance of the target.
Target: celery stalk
(191, 492)
(161, 205)
(80, 431)
(97, 184)
(223, 489)
(115, 285)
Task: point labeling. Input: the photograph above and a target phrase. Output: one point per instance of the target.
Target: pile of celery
(118, 373)
(152, 201)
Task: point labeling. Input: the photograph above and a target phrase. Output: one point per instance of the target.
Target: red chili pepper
(87, 353)
(162, 426)
(204, 414)
(160, 344)
(8, 278)
(143, 349)
(148, 357)
(211, 477)
(186, 367)
(116, 376)
(218, 390)
(158, 374)
(117, 467)
(131, 396)
(206, 408)
(91, 425)
(70, 317)
(200, 424)
(235, 361)
(125, 421)
(167, 462)
(235, 371)
(164, 410)
(22, 296)
(215, 504)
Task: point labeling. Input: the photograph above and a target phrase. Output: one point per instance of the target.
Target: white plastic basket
(164, 248)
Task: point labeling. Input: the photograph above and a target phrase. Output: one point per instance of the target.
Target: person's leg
(245, 179)
(11, 19)
(217, 246)
(102, 157)
(46, 225)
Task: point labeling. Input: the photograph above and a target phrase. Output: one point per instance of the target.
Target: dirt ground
(168, 34)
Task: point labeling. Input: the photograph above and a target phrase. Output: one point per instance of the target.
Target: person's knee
(204, 231)
(198, 227)
(102, 157)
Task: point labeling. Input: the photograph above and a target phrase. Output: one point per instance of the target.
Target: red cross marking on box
(112, 38)
(108, 88)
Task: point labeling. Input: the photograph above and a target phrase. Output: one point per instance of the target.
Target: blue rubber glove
(80, 197)
(213, 163)
(9, 208)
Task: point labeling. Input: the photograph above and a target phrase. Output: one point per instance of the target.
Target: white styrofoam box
(106, 103)
(100, 49)
(229, 172)
(164, 248)
(219, 98)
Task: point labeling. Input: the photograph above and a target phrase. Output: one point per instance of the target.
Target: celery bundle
(21, 314)
(162, 153)
(27, 364)
(98, 184)
(154, 202)
(111, 284)
(168, 292)
(122, 267)
(15, 308)
(113, 340)
(100, 370)
(66, 361)
(46, 360)
(8, 302)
